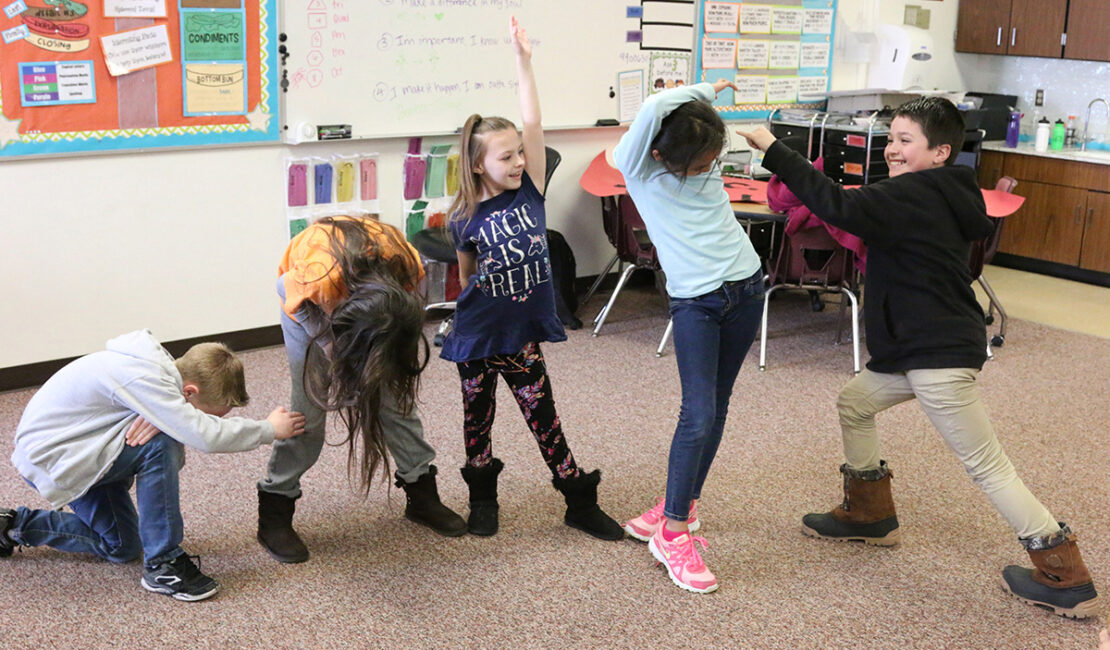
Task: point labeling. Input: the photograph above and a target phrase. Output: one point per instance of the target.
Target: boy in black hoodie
(927, 339)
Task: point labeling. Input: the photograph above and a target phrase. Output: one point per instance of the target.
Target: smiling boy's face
(908, 149)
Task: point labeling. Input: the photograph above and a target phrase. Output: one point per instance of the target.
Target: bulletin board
(779, 53)
(100, 75)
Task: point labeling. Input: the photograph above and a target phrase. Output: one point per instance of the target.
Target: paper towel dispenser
(904, 59)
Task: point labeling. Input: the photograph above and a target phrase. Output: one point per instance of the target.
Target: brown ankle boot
(1059, 580)
(867, 514)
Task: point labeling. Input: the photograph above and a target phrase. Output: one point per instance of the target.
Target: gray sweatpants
(289, 459)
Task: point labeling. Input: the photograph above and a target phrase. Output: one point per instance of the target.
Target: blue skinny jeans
(712, 335)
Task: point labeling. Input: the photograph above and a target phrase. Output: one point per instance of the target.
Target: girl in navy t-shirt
(507, 306)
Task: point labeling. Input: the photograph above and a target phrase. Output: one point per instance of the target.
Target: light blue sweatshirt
(73, 428)
(690, 220)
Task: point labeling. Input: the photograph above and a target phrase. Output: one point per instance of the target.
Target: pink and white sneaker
(644, 526)
(684, 564)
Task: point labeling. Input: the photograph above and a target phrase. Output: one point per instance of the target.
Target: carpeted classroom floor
(377, 580)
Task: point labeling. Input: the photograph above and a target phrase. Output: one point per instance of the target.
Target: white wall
(186, 243)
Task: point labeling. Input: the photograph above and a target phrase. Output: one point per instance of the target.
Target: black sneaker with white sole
(179, 578)
(7, 520)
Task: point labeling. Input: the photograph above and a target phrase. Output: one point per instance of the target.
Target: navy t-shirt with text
(511, 300)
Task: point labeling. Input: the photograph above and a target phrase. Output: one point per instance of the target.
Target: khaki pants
(950, 398)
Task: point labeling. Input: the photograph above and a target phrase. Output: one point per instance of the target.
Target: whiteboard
(420, 67)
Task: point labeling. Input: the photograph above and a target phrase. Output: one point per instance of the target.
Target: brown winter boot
(867, 513)
(1059, 580)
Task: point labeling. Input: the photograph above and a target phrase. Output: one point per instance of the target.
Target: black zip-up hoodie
(919, 310)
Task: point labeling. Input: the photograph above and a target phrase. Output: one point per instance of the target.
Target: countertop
(1097, 156)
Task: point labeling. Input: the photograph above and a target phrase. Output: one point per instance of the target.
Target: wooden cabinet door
(1049, 226)
(1095, 254)
(990, 168)
(983, 26)
(1036, 27)
(1087, 39)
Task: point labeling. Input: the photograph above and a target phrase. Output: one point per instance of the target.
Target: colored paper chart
(58, 96)
(779, 56)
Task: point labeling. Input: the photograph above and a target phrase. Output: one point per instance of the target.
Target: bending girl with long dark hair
(352, 323)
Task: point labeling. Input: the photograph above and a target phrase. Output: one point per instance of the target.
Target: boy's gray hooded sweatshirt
(73, 428)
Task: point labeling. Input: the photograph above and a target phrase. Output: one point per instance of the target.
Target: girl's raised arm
(535, 157)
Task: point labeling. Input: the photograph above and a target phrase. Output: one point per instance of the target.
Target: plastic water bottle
(1059, 131)
(1044, 132)
(1013, 129)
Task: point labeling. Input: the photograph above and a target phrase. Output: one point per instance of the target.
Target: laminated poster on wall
(779, 55)
(80, 76)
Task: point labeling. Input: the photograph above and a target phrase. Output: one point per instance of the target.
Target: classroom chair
(813, 261)
(610, 223)
(633, 246)
(982, 252)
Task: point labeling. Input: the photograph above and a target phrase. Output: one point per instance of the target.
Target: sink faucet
(1087, 121)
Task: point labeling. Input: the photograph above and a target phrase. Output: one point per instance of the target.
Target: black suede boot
(423, 506)
(275, 528)
(483, 497)
(583, 512)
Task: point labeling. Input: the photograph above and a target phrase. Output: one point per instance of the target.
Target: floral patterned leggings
(526, 375)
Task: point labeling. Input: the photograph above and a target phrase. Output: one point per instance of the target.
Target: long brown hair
(376, 340)
(472, 147)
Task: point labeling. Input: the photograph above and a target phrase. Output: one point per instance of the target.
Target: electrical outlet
(1039, 101)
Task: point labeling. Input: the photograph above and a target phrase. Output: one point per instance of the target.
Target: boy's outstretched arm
(850, 210)
(535, 157)
(287, 424)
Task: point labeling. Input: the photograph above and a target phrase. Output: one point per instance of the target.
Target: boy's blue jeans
(104, 521)
(712, 334)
